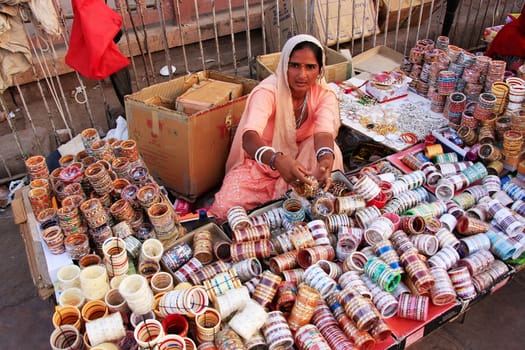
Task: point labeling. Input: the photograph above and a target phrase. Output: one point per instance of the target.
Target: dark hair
(318, 52)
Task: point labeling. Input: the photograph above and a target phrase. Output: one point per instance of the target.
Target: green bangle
(272, 160)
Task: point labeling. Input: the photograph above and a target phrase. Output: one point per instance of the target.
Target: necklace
(299, 120)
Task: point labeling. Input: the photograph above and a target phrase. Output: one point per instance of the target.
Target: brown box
(356, 18)
(337, 66)
(186, 153)
(395, 5)
(207, 94)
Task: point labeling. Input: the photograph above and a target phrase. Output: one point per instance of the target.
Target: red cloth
(510, 40)
(92, 51)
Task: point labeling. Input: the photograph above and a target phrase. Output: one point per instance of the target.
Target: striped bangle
(324, 150)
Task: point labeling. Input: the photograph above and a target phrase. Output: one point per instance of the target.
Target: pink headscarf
(284, 137)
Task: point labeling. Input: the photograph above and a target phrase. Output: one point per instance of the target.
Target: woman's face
(303, 70)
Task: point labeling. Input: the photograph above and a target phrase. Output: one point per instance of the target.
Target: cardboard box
(186, 153)
(207, 94)
(337, 66)
(353, 18)
(376, 60)
(391, 8)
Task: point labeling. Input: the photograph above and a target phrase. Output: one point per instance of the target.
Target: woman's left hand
(324, 170)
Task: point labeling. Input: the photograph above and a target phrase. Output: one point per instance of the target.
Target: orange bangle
(409, 138)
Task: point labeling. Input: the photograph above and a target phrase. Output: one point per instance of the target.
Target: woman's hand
(324, 170)
(291, 170)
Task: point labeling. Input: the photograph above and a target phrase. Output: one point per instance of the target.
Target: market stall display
(387, 253)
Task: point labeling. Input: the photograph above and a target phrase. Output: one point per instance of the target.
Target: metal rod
(408, 27)
(471, 36)
(326, 20)
(7, 170)
(422, 5)
(28, 115)
(59, 83)
(397, 24)
(120, 6)
(363, 28)
(386, 21)
(338, 30)
(234, 53)
(39, 84)
(199, 33)
(430, 19)
(353, 25)
(146, 43)
(65, 34)
(216, 34)
(165, 43)
(278, 12)
(137, 39)
(248, 37)
(374, 40)
(181, 33)
(13, 128)
(263, 31)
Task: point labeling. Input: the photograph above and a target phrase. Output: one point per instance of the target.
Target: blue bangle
(272, 160)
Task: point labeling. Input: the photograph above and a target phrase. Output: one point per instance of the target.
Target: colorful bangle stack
(203, 246)
(207, 271)
(319, 232)
(477, 262)
(247, 269)
(348, 239)
(282, 262)
(252, 249)
(221, 283)
(426, 244)
(379, 229)
(303, 307)
(445, 258)
(163, 218)
(385, 251)
(54, 239)
(183, 273)
(99, 178)
(325, 321)
(358, 308)
(238, 218)
(355, 262)
(382, 274)
(354, 279)
(442, 293)
(177, 256)
(37, 167)
(252, 233)
(277, 332)
(317, 278)
(413, 307)
(301, 237)
(470, 245)
(462, 282)
(308, 337)
(503, 246)
(191, 301)
(366, 216)
(309, 256)
(384, 302)
(286, 296)
(294, 275)
(417, 271)
(266, 288)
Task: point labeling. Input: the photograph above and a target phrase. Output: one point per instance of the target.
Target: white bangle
(322, 151)
(260, 151)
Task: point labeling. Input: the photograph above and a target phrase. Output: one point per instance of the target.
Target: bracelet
(272, 160)
(324, 150)
(260, 151)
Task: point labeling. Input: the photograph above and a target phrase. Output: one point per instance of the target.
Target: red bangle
(379, 201)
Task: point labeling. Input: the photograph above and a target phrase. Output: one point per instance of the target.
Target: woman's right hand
(291, 170)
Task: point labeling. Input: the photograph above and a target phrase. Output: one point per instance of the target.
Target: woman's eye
(311, 66)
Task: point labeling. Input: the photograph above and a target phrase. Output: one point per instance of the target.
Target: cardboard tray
(216, 233)
(380, 58)
(439, 134)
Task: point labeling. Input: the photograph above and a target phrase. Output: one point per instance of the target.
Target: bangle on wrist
(324, 150)
(260, 151)
(272, 160)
